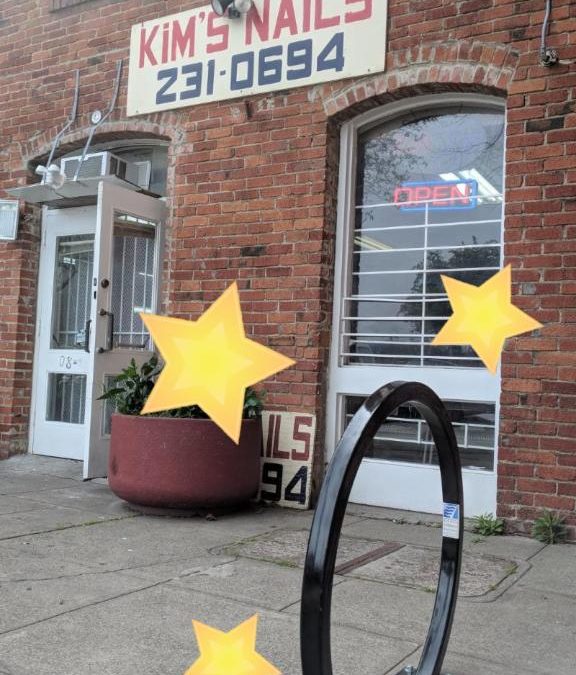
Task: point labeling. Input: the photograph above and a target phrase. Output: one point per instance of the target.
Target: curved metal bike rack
(329, 514)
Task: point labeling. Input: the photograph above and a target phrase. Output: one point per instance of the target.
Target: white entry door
(420, 196)
(99, 268)
(63, 358)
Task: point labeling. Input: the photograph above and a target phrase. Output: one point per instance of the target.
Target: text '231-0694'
(197, 56)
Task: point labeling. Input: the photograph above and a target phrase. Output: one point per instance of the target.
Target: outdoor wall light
(548, 57)
(51, 175)
(233, 8)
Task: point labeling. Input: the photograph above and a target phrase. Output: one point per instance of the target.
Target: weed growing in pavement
(549, 528)
(488, 525)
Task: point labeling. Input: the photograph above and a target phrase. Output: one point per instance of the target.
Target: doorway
(99, 268)
(420, 195)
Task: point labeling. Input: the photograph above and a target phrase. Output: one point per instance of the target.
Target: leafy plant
(549, 528)
(130, 390)
(488, 525)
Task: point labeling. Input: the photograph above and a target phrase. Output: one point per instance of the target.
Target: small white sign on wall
(287, 449)
(9, 214)
(197, 56)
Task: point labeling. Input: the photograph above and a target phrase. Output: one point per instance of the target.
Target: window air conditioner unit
(103, 164)
(97, 167)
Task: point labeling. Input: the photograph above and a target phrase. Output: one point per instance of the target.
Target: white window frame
(363, 380)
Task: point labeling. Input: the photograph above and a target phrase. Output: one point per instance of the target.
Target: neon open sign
(437, 195)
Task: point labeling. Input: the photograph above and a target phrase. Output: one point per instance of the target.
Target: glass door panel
(427, 203)
(133, 279)
(72, 291)
(66, 398)
(422, 199)
(405, 437)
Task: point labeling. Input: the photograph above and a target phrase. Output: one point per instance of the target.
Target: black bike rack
(329, 515)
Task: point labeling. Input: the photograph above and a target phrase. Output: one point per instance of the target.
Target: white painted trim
(36, 357)
(444, 380)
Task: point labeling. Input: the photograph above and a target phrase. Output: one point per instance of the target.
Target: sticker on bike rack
(451, 521)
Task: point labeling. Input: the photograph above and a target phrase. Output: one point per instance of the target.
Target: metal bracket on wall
(329, 515)
(98, 119)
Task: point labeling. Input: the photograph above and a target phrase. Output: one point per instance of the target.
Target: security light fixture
(548, 57)
(233, 8)
(51, 175)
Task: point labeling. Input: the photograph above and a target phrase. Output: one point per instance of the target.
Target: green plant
(130, 390)
(549, 528)
(488, 525)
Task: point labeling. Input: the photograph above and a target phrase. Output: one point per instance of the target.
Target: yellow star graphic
(484, 316)
(232, 653)
(210, 362)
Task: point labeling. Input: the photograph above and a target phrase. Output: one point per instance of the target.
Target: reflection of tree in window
(459, 258)
(421, 150)
(402, 252)
(384, 161)
(465, 149)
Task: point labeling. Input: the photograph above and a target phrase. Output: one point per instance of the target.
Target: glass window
(428, 202)
(66, 398)
(152, 162)
(133, 275)
(72, 290)
(405, 437)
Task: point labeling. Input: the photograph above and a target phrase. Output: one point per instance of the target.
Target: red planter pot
(188, 464)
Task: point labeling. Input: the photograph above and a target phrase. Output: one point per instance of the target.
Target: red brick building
(335, 205)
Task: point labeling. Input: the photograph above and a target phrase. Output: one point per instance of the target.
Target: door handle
(87, 335)
(110, 340)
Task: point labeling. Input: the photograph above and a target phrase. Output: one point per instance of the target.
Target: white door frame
(480, 487)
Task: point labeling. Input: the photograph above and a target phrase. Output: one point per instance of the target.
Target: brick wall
(537, 452)
(253, 190)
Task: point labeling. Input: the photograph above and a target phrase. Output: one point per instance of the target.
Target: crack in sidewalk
(95, 603)
(62, 528)
(90, 572)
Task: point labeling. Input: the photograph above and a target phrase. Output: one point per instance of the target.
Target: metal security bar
(134, 276)
(406, 262)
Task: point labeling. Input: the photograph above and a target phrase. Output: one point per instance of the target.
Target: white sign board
(288, 451)
(9, 214)
(197, 56)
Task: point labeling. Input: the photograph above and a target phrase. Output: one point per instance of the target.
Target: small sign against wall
(288, 449)
(9, 212)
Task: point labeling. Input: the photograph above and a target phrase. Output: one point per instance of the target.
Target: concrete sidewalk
(88, 587)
